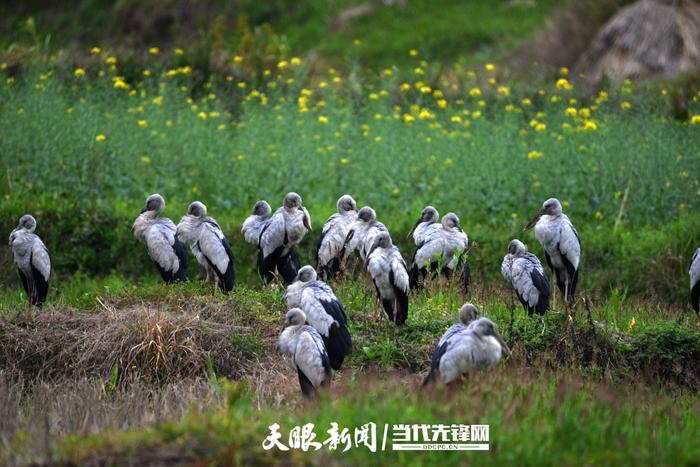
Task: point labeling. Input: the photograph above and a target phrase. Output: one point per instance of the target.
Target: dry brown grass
(151, 343)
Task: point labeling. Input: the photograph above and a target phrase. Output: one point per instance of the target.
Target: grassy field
(120, 367)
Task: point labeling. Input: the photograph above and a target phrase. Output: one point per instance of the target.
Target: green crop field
(118, 368)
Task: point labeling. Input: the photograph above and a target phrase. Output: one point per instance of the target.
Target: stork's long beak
(504, 346)
(307, 224)
(414, 227)
(534, 220)
(371, 250)
(348, 238)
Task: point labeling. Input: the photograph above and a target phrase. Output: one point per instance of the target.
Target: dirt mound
(647, 38)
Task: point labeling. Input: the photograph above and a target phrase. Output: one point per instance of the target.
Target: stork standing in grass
(390, 276)
(324, 312)
(303, 344)
(429, 244)
(562, 247)
(464, 349)
(695, 281)
(158, 233)
(32, 260)
(332, 239)
(362, 232)
(209, 245)
(526, 275)
(455, 248)
(279, 239)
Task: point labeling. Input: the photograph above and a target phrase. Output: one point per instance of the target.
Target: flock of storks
(315, 334)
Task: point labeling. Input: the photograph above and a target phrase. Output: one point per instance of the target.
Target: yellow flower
(564, 71)
(344, 160)
(282, 64)
(146, 159)
(202, 115)
(489, 67)
(625, 105)
(419, 71)
(476, 114)
(442, 103)
(295, 61)
(241, 84)
(405, 87)
(540, 127)
(456, 119)
(408, 118)
(590, 125)
(526, 102)
(323, 119)
(563, 83)
(120, 84)
(96, 50)
(237, 59)
(504, 90)
(632, 325)
(374, 96)
(695, 120)
(425, 114)
(598, 215)
(413, 53)
(179, 51)
(79, 72)
(425, 89)
(157, 100)
(221, 126)
(142, 123)
(534, 155)
(154, 51)
(99, 138)
(474, 92)
(571, 111)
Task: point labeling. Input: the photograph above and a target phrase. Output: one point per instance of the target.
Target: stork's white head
(306, 274)
(262, 209)
(197, 209)
(485, 327)
(468, 313)
(294, 317)
(382, 240)
(27, 222)
(551, 207)
(292, 201)
(154, 203)
(429, 214)
(367, 215)
(516, 247)
(451, 221)
(346, 204)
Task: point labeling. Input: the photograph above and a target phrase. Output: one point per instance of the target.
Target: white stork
(324, 312)
(463, 350)
(332, 239)
(526, 275)
(362, 232)
(256, 222)
(32, 260)
(209, 245)
(158, 233)
(303, 344)
(562, 247)
(390, 276)
(279, 239)
(694, 272)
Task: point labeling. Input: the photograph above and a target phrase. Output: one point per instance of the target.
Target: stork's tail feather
(695, 298)
(228, 277)
(338, 344)
(288, 266)
(389, 309)
(40, 290)
(401, 307)
(181, 253)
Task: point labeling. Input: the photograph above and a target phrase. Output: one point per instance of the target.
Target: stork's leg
(216, 286)
(544, 324)
(206, 279)
(566, 289)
